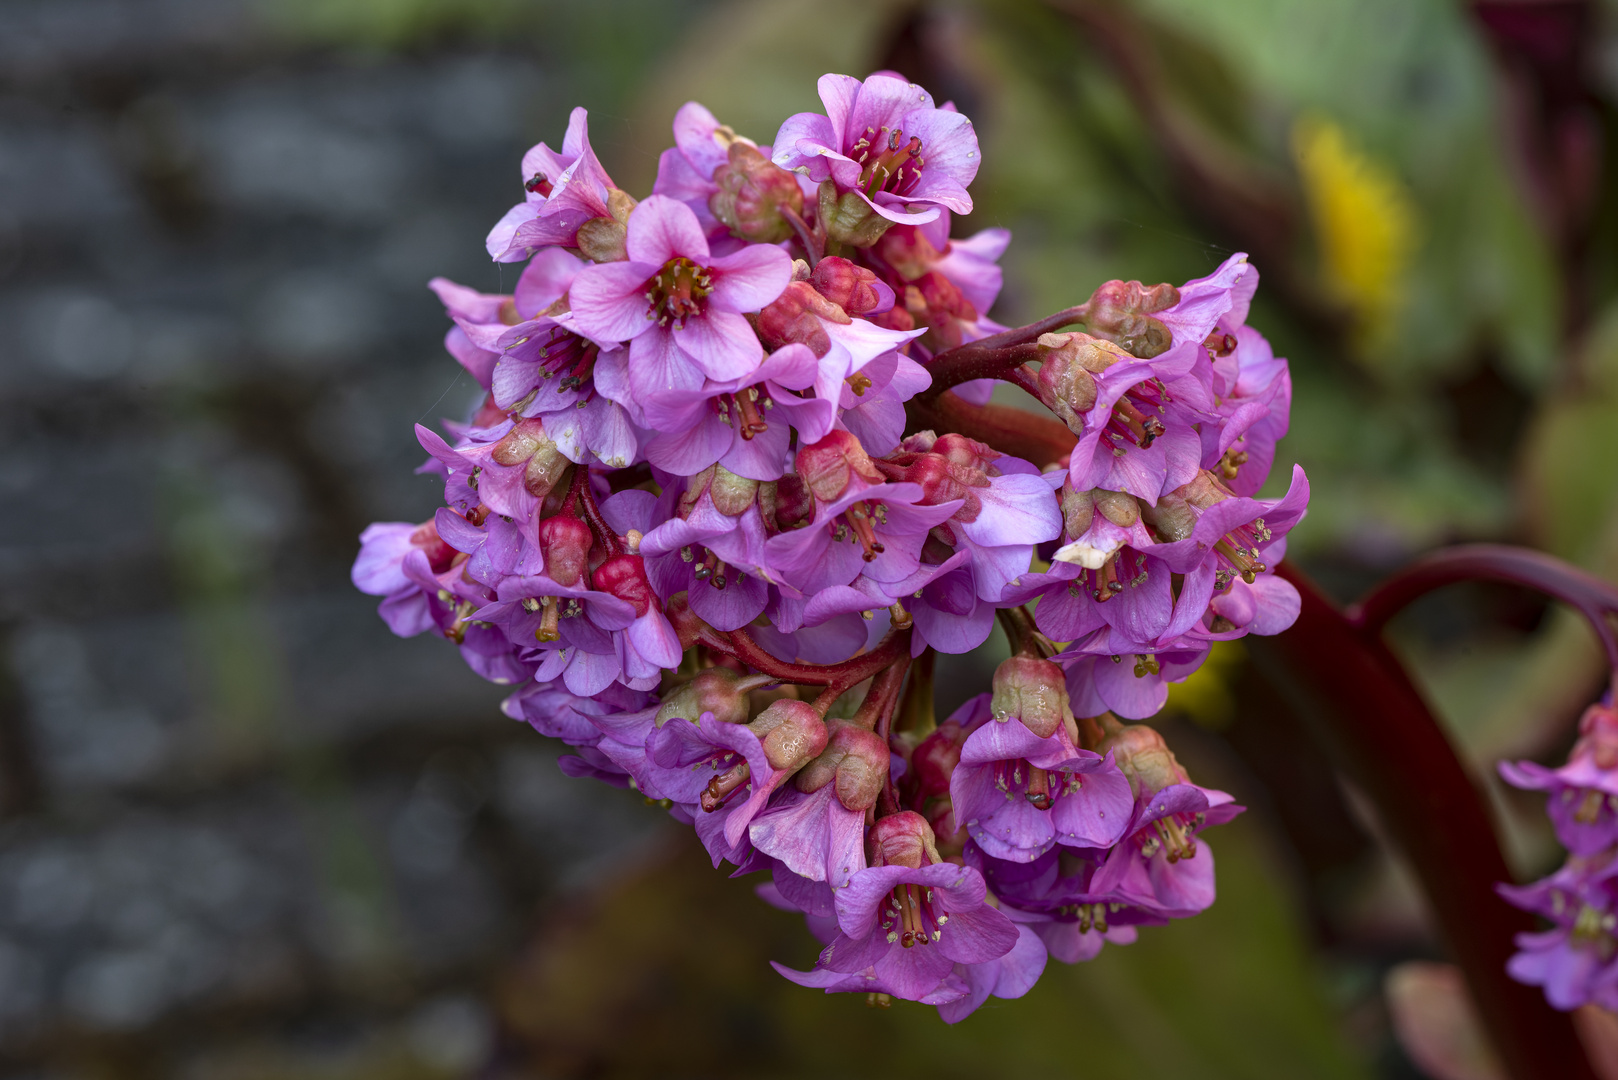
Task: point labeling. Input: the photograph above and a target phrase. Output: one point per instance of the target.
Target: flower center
(749, 405)
(1172, 832)
(673, 294)
(1238, 549)
(891, 162)
(1042, 788)
(725, 784)
(1125, 564)
(857, 522)
(908, 916)
(1132, 417)
(1592, 929)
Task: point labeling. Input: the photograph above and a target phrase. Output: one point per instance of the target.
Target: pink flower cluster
(1576, 959)
(690, 521)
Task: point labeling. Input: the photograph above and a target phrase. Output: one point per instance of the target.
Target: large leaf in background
(667, 973)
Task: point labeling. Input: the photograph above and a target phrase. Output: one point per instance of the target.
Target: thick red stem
(838, 677)
(1019, 432)
(592, 513)
(1372, 719)
(976, 361)
(1595, 599)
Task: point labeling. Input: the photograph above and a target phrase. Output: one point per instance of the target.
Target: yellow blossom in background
(1365, 225)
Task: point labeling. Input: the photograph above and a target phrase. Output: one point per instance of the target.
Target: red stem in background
(1373, 720)
(1595, 599)
(1041, 440)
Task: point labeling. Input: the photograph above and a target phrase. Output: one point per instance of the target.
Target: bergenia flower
(884, 142)
(1573, 960)
(1582, 795)
(678, 306)
(563, 191)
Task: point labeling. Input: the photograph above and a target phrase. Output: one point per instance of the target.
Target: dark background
(246, 833)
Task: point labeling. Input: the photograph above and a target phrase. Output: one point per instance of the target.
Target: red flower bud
(852, 288)
(624, 576)
(717, 690)
(565, 542)
(902, 839)
(934, 760)
(1033, 690)
(794, 318)
(831, 464)
(439, 554)
(793, 733)
(752, 192)
(1120, 311)
(793, 503)
(1142, 754)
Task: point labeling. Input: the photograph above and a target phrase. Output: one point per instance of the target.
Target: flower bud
(856, 760)
(1121, 311)
(831, 464)
(795, 317)
(602, 239)
(1078, 510)
(853, 288)
(731, 494)
(687, 624)
(1598, 736)
(1142, 754)
(752, 193)
(527, 442)
(934, 760)
(902, 839)
(1172, 518)
(1033, 690)
(907, 249)
(793, 733)
(793, 505)
(717, 690)
(624, 576)
(565, 542)
(1118, 507)
(849, 219)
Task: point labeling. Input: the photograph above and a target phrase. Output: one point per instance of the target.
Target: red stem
(1595, 599)
(838, 677)
(592, 512)
(974, 361)
(1373, 720)
(1019, 432)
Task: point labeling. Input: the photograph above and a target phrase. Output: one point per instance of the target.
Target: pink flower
(884, 141)
(563, 192)
(679, 308)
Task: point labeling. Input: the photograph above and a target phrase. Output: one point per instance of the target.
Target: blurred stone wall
(231, 800)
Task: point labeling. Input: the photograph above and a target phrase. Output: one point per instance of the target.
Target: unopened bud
(624, 576)
(602, 239)
(907, 249)
(1065, 386)
(831, 464)
(1078, 510)
(794, 503)
(902, 839)
(1118, 507)
(528, 442)
(793, 733)
(1172, 518)
(752, 192)
(1142, 754)
(731, 494)
(849, 219)
(795, 317)
(1598, 736)
(1033, 690)
(1121, 311)
(853, 288)
(855, 759)
(934, 759)
(718, 690)
(565, 542)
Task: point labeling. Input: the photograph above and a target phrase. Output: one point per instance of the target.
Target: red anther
(624, 576)
(1220, 343)
(831, 464)
(795, 317)
(565, 542)
(850, 287)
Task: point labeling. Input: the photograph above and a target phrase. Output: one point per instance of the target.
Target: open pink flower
(678, 307)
